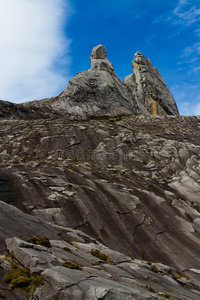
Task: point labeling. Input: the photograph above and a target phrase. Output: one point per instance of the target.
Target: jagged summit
(99, 92)
(99, 60)
(151, 89)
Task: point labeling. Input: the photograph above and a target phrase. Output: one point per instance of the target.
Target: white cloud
(33, 43)
(187, 14)
(190, 59)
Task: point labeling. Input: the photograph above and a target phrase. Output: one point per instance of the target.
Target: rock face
(149, 87)
(77, 267)
(131, 182)
(99, 92)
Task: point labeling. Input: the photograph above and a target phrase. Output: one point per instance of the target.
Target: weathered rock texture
(132, 182)
(89, 174)
(99, 92)
(149, 88)
(115, 276)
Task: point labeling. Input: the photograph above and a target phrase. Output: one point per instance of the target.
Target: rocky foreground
(76, 266)
(100, 191)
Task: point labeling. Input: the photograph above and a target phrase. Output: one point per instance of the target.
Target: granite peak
(99, 92)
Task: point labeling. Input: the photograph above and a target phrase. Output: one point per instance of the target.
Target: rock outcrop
(99, 92)
(149, 87)
(78, 267)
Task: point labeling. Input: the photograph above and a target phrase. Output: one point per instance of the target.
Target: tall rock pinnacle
(99, 60)
(151, 89)
(98, 91)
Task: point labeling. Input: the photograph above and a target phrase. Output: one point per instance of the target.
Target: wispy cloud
(188, 99)
(33, 44)
(190, 59)
(186, 13)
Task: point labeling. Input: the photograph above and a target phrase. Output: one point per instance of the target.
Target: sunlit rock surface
(99, 92)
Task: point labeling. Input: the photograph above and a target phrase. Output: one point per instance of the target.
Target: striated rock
(150, 88)
(131, 183)
(94, 278)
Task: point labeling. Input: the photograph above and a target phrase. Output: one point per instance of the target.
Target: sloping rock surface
(99, 92)
(71, 267)
(131, 182)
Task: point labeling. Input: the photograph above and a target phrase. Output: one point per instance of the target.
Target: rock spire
(99, 92)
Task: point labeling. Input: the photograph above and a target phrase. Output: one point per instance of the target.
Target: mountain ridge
(99, 92)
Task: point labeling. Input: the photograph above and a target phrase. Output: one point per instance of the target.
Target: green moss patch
(99, 255)
(70, 265)
(41, 240)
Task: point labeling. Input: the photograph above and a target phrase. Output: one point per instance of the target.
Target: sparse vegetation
(70, 265)
(154, 269)
(22, 278)
(20, 282)
(15, 273)
(99, 255)
(181, 275)
(2, 295)
(41, 240)
(166, 295)
(32, 240)
(67, 249)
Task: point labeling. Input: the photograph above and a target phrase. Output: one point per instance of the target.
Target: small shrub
(99, 255)
(67, 249)
(154, 269)
(70, 265)
(20, 282)
(22, 278)
(43, 241)
(32, 240)
(148, 263)
(36, 282)
(15, 273)
(2, 295)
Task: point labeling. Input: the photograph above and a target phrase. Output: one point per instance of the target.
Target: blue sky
(44, 43)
